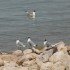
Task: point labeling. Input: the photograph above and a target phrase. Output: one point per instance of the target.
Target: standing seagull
(19, 44)
(46, 44)
(30, 42)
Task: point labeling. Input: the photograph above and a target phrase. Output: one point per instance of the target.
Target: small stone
(58, 66)
(26, 57)
(28, 63)
(68, 64)
(27, 51)
(46, 55)
(34, 67)
(46, 66)
(18, 53)
(61, 47)
(59, 56)
(1, 62)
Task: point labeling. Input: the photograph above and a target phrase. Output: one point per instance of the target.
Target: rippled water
(52, 22)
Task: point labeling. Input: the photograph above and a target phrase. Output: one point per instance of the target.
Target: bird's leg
(19, 48)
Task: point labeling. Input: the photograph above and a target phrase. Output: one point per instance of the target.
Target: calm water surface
(52, 22)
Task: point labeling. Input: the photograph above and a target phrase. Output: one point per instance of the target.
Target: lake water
(52, 22)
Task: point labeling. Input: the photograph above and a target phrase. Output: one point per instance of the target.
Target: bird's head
(45, 40)
(28, 37)
(34, 11)
(27, 12)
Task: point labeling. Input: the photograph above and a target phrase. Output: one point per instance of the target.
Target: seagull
(46, 44)
(30, 42)
(20, 44)
(31, 14)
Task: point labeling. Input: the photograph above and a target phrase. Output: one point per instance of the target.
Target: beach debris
(30, 42)
(19, 44)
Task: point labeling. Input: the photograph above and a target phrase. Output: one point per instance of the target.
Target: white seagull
(30, 42)
(20, 44)
(31, 14)
(45, 43)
